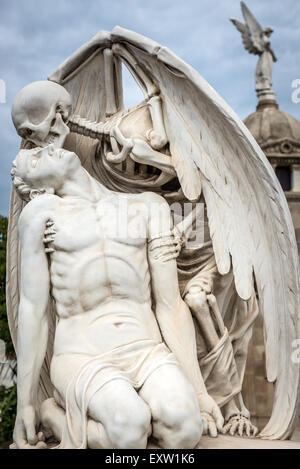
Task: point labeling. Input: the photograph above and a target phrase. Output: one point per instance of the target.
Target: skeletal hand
(49, 235)
(167, 246)
(204, 284)
(212, 418)
(241, 425)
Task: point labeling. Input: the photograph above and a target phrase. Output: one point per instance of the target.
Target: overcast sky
(37, 35)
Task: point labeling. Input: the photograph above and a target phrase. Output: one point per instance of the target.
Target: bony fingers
(50, 231)
(241, 428)
(170, 257)
(254, 430)
(158, 243)
(233, 429)
(226, 428)
(48, 239)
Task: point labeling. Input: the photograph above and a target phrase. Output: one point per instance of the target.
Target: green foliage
(4, 330)
(8, 405)
(8, 397)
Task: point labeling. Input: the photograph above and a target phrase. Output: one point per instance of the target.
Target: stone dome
(277, 132)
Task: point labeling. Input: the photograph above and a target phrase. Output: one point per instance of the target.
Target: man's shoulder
(154, 198)
(38, 211)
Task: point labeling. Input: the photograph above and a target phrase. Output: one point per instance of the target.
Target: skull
(40, 113)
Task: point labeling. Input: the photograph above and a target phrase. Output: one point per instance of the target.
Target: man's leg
(117, 418)
(53, 418)
(174, 408)
(125, 417)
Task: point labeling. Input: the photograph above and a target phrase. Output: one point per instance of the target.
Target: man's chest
(80, 225)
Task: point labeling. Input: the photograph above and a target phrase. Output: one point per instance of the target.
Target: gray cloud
(37, 35)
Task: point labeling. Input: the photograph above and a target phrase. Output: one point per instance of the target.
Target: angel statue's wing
(246, 36)
(249, 219)
(251, 31)
(254, 28)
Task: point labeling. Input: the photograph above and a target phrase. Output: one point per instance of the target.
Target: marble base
(233, 442)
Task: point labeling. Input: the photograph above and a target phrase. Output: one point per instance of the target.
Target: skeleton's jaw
(53, 138)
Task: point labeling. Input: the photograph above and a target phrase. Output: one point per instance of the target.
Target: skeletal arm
(172, 313)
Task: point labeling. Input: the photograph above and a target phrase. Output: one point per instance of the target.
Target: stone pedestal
(233, 442)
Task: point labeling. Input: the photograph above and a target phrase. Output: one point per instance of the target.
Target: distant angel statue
(175, 318)
(257, 41)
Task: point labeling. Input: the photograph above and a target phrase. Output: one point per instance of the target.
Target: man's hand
(25, 435)
(211, 415)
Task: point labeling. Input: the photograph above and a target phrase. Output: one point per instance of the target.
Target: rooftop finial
(257, 41)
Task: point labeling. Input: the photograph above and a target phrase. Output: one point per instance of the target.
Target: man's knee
(179, 425)
(129, 428)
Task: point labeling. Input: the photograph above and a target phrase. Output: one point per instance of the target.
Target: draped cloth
(133, 363)
(223, 367)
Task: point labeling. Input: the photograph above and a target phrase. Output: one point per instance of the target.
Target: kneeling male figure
(124, 364)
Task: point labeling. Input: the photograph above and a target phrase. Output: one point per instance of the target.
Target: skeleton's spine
(82, 126)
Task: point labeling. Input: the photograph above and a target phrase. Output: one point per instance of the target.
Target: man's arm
(172, 313)
(32, 322)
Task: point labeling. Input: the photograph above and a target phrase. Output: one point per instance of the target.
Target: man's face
(48, 168)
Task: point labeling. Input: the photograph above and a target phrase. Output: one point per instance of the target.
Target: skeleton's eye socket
(25, 133)
(60, 110)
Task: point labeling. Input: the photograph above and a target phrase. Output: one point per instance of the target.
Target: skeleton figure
(186, 144)
(257, 41)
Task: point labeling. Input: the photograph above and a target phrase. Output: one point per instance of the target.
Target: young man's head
(42, 170)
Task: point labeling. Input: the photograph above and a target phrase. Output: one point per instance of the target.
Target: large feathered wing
(249, 219)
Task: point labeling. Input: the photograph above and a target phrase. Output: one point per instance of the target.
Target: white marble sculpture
(125, 329)
(257, 41)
